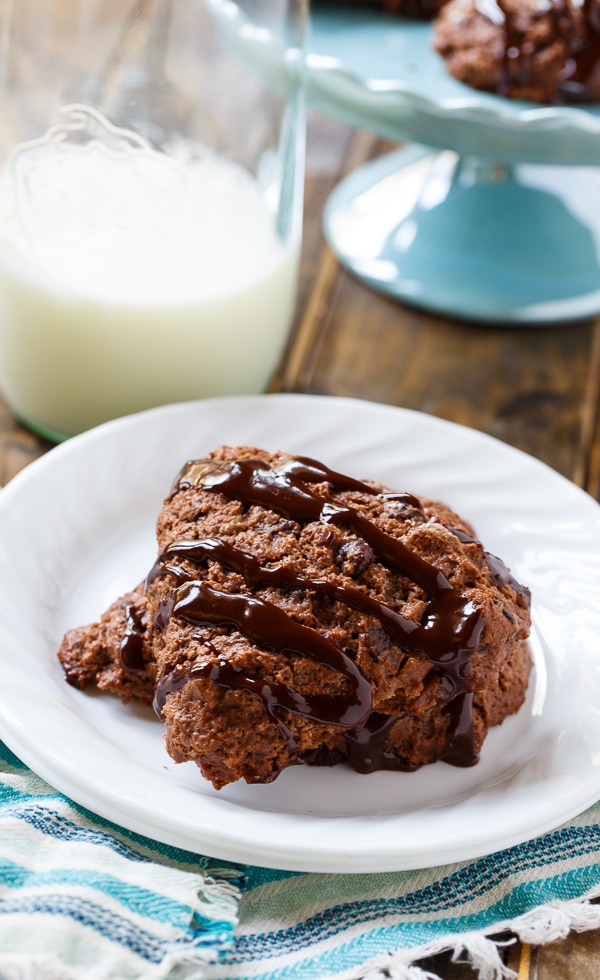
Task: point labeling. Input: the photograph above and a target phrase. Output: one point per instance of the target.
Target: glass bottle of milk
(150, 203)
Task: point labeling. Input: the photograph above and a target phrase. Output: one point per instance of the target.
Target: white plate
(77, 529)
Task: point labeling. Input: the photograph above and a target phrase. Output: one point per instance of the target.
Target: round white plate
(77, 530)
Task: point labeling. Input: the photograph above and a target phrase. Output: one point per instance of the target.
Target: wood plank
(587, 467)
(18, 446)
(536, 388)
(524, 386)
(575, 958)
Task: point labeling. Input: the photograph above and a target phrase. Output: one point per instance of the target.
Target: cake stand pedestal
(470, 238)
(492, 214)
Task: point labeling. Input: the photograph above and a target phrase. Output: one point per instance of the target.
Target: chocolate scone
(537, 50)
(297, 615)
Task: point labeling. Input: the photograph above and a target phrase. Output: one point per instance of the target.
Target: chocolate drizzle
(578, 81)
(446, 608)
(132, 642)
(518, 53)
(448, 634)
(268, 626)
(271, 695)
(366, 747)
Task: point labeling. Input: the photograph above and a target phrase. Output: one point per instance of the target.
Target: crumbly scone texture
(225, 730)
(529, 64)
(93, 654)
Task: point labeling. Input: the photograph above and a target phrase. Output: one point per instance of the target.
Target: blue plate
(382, 74)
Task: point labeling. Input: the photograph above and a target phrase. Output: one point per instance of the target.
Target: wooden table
(536, 388)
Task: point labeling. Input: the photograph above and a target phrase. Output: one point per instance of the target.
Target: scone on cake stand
(492, 213)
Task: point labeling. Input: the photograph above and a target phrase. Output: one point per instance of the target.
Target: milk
(129, 280)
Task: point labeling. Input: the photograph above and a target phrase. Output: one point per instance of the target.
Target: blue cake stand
(491, 214)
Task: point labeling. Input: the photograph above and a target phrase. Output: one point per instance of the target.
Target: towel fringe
(555, 920)
(218, 899)
(542, 925)
(479, 951)
(483, 955)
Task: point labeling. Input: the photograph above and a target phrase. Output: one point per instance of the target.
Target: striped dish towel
(82, 899)
(377, 927)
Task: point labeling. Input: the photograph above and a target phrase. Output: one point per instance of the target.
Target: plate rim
(276, 854)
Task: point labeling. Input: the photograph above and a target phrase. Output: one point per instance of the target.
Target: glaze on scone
(544, 51)
(296, 615)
